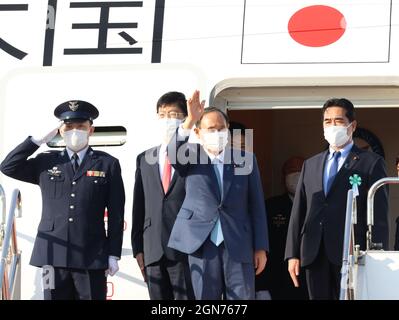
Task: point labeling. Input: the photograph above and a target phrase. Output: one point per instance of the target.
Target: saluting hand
(45, 136)
(293, 269)
(195, 109)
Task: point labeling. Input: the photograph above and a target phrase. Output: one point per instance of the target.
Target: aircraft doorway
(282, 133)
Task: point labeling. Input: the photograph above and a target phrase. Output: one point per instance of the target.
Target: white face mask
(167, 128)
(76, 140)
(337, 136)
(291, 181)
(215, 141)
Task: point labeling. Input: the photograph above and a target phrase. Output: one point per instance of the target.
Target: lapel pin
(239, 165)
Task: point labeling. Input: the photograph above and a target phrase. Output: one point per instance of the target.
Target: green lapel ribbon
(355, 180)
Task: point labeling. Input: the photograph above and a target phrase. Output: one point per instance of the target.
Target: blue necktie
(216, 233)
(333, 170)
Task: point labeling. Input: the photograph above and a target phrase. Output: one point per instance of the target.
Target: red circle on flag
(317, 26)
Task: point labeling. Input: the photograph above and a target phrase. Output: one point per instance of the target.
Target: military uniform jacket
(71, 232)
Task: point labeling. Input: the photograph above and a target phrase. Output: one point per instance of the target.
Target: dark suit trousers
(215, 275)
(169, 280)
(323, 278)
(77, 284)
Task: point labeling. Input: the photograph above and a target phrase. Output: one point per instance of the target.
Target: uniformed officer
(78, 184)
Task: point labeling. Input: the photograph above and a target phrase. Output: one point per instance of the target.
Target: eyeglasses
(170, 115)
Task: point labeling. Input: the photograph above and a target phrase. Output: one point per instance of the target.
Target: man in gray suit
(222, 222)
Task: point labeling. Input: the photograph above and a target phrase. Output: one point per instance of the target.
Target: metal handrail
(347, 290)
(370, 205)
(7, 283)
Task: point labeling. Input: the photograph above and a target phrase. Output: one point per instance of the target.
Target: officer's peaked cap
(78, 110)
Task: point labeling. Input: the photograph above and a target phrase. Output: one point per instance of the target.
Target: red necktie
(167, 172)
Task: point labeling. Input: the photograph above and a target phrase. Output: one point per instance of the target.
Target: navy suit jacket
(71, 233)
(154, 212)
(316, 216)
(241, 208)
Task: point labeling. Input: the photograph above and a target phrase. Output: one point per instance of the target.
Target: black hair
(173, 97)
(237, 126)
(209, 110)
(343, 103)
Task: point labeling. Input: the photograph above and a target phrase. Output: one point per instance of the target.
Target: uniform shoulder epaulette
(52, 152)
(101, 153)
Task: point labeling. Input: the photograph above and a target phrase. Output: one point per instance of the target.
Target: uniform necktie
(216, 233)
(333, 170)
(75, 163)
(166, 175)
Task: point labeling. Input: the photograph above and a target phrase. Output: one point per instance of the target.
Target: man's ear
(91, 130)
(354, 126)
(61, 130)
(197, 131)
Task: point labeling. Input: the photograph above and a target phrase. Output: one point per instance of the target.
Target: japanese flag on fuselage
(316, 31)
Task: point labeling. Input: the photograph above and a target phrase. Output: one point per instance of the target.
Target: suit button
(95, 181)
(74, 182)
(52, 178)
(70, 219)
(72, 195)
(72, 207)
(321, 223)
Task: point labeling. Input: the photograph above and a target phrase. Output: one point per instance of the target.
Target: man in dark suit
(158, 195)
(78, 184)
(275, 277)
(222, 222)
(316, 229)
